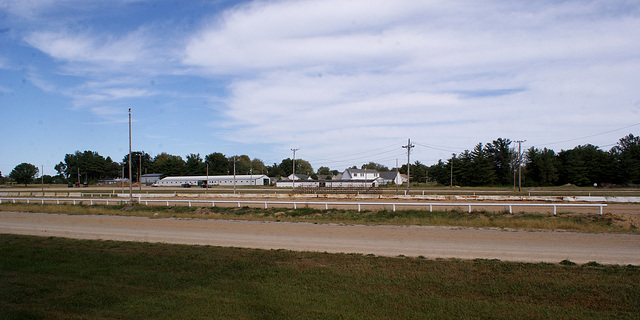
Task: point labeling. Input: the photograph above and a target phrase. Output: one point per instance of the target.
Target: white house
(360, 174)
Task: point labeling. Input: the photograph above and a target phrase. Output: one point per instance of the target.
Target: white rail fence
(324, 204)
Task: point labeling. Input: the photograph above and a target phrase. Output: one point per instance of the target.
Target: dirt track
(431, 242)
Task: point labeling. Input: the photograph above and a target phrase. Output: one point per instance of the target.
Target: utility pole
(130, 176)
(451, 181)
(408, 147)
(293, 183)
(140, 170)
(520, 164)
(122, 181)
(234, 174)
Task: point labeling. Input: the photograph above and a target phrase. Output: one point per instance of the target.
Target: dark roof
(389, 175)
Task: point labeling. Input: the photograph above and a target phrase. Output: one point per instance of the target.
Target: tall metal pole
(130, 176)
(206, 190)
(451, 177)
(234, 174)
(293, 184)
(408, 147)
(140, 170)
(520, 164)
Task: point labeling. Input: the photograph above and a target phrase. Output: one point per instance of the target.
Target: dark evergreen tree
(626, 160)
(501, 155)
(541, 167)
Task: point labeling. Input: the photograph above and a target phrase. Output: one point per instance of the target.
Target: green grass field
(54, 278)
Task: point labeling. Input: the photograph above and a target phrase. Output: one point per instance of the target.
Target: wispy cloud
(321, 71)
(88, 48)
(337, 77)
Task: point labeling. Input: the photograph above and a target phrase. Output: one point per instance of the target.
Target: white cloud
(88, 48)
(319, 72)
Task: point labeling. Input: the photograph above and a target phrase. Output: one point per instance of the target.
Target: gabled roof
(299, 176)
(390, 175)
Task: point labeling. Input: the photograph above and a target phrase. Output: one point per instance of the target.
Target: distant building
(116, 181)
(389, 177)
(360, 174)
(150, 178)
(298, 177)
(230, 180)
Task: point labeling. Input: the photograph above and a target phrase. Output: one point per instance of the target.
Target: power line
(590, 136)
(438, 148)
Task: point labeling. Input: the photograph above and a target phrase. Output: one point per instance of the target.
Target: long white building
(240, 180)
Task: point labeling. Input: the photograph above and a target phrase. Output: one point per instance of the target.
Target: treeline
(490, 164)
(497, 163)
(91, 167)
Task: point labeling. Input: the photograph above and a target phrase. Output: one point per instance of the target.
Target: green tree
(24, 173)
(218, 163)
(141, 162)
(542, 167)
(258, 166)
(482, 167)
(418, 172)
(375, 166)
(501, 154)
(585, 165)
(90, 165)
(243, 164)
(626, 160)
(324, 171)
(440, 173)
(274, 171)
(195, 166)
(302, 167)
(169, 165)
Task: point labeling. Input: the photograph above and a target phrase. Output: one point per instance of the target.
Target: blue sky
(346, 82)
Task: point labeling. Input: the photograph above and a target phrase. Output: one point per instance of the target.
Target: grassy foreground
(54, 278)
(581, 222)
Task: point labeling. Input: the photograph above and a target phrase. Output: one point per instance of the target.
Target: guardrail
(326, 204)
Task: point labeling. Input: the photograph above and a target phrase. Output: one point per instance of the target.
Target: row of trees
(91, 166)
(491, 164)
(496, 164)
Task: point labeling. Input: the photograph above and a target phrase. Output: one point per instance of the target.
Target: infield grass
(55, 278)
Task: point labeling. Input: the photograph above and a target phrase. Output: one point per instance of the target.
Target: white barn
(240, 180)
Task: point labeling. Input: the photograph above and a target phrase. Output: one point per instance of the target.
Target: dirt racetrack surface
(429, 242)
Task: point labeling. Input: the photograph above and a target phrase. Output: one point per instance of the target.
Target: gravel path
(430, 242)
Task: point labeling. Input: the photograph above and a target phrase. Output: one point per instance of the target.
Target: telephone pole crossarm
(408, 147)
